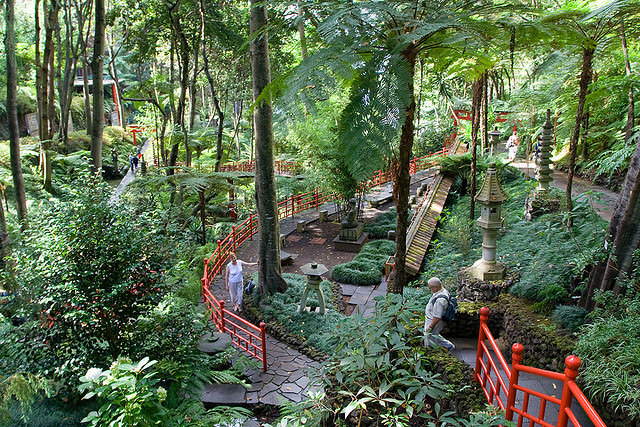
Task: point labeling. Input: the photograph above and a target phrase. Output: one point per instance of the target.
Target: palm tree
(373, 46)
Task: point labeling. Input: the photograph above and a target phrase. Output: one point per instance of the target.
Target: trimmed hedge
(383, 223)
(367, 267)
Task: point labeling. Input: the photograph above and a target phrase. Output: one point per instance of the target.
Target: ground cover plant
(544, 251)
(367, 267)
(380, 371)
(610, 352)
(309, 330)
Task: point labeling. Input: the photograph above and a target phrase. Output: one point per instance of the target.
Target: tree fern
(23, 388)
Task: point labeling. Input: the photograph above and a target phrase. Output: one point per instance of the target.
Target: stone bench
(376, 202)
(300, 225)
(283, 240)
(323, 215)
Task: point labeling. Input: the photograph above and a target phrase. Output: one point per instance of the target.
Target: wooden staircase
(425, 220)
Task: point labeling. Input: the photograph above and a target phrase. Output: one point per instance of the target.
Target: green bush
(610, 354)
(569, 317)
(367, 267)
(383, 223)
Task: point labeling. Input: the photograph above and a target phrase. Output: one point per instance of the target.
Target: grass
(367, 267)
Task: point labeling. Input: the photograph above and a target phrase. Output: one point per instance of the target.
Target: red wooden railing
(245, 231)
(281, 167)
(244, 335)
(503, 394)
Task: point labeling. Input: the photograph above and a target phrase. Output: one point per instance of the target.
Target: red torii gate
(466, 115)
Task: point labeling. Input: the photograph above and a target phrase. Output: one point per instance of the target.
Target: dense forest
(94, 277)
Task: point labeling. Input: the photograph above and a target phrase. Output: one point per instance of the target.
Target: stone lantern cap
(495, 132)
(314, 269)
(491, 190)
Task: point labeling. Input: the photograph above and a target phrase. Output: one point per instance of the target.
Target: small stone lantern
(544, 172)
(491, 196)
(313, 271)
(495, 135)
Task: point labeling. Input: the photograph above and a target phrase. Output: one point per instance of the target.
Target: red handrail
(221, 317)
(569, 391)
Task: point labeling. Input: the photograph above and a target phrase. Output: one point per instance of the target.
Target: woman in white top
(233, 280)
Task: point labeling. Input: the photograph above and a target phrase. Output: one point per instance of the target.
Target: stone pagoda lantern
(313, 271)
(495, 135)
(491, 196)
(540, 200)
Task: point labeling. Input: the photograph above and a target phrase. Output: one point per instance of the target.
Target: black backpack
(452, 308)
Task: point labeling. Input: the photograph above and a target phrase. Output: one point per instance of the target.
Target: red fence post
(572, 364)
(234, 237)
(292, 205)
(221, 321)
(263, 337)
(516, 358)
(251, 226)
(484, 318)
(317, 199)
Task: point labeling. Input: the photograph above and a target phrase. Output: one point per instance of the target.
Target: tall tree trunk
(214, 94)
(403, 178)
(193, 98)
(12, 113)
(623, 232)
(4, 239)
(476, 104)
(98, 88)
(39, 76)
(484, 113)
(301, 32)
(269, 270)
(585, 80)
(628, 128)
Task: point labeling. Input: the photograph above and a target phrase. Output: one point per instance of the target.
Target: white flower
(93, 374)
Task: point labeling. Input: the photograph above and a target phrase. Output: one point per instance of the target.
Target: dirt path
(602, 199)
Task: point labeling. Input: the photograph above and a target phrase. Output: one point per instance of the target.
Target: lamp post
(495, 135)
(313, 271)
(491, 196)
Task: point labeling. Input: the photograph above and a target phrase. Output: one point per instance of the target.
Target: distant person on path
(433, 323)
(233, 280)
(512, 145)
(134, 164)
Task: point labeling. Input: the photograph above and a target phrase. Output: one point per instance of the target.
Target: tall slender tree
(97, 121)
(269, 270)
(12, 113)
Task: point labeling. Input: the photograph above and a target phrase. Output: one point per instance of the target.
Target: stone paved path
(126, 180)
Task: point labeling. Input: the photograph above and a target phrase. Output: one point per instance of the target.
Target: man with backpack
(441, 308)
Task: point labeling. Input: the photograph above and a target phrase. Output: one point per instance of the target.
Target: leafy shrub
(88, 270)
(383, 223)
(610, 354)
(308, 330)
(367, 267)
(569, 316)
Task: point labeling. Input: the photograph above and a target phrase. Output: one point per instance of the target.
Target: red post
(219, 254)
(317, 200)
(204, 285)
(263, 337)
(380, 177)
(572, 363)
(484, 318)
(292, 205)
(516, 358)
(251, 226)
(234, 237)
(221, 321)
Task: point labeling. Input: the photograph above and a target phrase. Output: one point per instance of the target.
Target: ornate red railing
(281, 167)
(245, 231)
(503, 394)
(244, 335)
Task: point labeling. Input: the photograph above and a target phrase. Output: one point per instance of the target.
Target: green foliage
(309, 330)
(367, 267)
(21, 387)
(383, 223)
(381, 370)
(569, 317)
(545, 252)
(610, 354)
(129, 395)
(89, 269)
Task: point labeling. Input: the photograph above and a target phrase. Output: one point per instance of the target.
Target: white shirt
(235, 272)
(436, 308)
